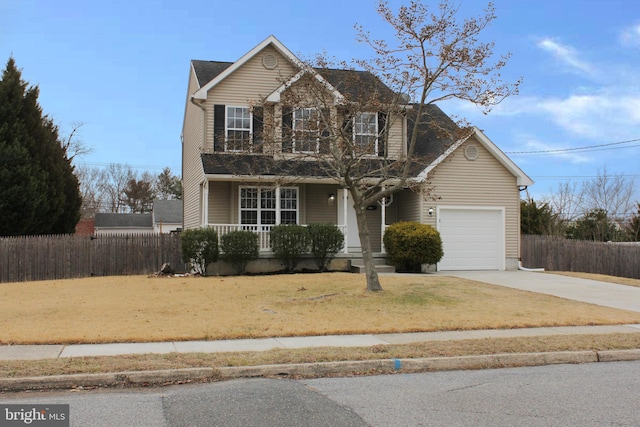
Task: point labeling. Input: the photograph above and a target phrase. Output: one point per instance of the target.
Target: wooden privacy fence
(70, 256)
(558, 254)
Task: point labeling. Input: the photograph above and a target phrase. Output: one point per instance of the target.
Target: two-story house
(248, 162)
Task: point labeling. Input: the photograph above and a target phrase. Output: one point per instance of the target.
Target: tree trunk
(373, 284)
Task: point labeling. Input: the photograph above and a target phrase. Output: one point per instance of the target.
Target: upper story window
(365, 132)
(305, 125)
(238, 129)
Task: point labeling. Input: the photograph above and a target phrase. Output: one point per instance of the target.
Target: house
(234, 154)
(165, 217)
(123, 223)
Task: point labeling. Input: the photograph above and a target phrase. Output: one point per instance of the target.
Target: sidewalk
(35, 352)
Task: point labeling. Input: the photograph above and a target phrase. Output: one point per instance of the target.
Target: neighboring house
(123, 223)
(477, 210)
(165, 217)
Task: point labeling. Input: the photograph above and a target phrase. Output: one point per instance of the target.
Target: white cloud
(566, 54)
(530, 143)
(603, 116)
(631, 36)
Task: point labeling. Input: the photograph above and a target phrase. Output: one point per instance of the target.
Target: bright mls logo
(34, 415)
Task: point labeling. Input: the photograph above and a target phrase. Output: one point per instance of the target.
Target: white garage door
(472, 239)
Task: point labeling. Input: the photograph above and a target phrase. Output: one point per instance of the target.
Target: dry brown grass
(147, 362)
(601, 277)
(139, 309)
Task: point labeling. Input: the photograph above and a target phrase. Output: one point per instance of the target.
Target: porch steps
(357, 266)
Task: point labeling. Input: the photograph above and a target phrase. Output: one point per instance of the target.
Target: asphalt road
(593, 394)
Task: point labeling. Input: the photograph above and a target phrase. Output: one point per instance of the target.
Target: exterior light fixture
(430, 211)
(332, 199)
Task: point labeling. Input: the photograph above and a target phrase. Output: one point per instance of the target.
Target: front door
(352, 240)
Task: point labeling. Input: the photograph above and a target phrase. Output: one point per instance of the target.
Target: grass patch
(145, 309)
(600, 277)
(146, 362)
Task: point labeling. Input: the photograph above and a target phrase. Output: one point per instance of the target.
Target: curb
(321, 369)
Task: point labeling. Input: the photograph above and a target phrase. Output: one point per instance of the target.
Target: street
(594, 394)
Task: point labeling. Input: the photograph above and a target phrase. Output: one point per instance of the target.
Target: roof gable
(224, 72)
(521, 177)
(167, 211)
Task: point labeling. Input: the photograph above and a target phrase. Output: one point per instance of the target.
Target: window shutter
(258, 119)
(218, 127)
(347, 125)
(382, 133)
(287, 129)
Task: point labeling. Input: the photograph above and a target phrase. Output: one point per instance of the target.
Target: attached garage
(473, 238)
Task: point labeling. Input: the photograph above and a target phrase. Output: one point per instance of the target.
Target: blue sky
(121, 68)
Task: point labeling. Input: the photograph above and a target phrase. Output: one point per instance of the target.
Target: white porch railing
(261, 230)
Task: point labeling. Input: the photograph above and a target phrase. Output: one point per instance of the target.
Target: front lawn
(138, 308)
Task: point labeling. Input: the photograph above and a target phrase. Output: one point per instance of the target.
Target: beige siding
(407, 203)
(374, 222)
(192, 173)
(248, 84)
(481, 182)
(396, 138)
(317, 208)
(219, 203)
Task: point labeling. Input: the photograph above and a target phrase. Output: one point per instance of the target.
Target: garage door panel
(472, 239)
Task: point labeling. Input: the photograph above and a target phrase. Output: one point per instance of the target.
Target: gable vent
(269, 61)
(471, 152)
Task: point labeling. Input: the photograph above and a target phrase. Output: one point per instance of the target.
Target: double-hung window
(365, 132)
(238, 129)
(261, 206)
(305, 130)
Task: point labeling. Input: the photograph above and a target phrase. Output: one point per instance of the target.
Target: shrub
(238, 248)
(410, 244)
(199, 248)
(326, 241)
(289, 243)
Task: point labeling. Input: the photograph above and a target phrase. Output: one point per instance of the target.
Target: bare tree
(567, 201)
(611, 193)
(91, 181)
(116, 178)
(72, 145)
(434, 57)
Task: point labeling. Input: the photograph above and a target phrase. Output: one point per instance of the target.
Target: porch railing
(261, 230)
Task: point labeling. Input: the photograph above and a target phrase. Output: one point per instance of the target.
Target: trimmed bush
(199, 248)
(326, 241)
(410, 244)
(238, 248)
(289, 243)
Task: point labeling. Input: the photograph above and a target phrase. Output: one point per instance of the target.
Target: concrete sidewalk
(35, 352)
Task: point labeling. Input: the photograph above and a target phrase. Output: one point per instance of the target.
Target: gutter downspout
(520, 267)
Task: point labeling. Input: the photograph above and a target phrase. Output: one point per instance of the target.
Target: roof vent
(471, 152)
(269, 61)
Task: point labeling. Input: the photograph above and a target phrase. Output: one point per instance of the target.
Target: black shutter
(347, 125)
(382, 133)
(258, 119)
(287, 130)
(218, 127)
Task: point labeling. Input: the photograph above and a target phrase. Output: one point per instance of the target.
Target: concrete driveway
(591, 291)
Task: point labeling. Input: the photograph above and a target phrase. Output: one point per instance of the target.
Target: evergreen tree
(169, 186)
(38, 190)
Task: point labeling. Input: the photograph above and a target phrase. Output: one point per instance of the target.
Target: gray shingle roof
(167, 211)
(121, 220)
(208, 70)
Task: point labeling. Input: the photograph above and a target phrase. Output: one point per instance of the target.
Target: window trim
(376, 134)
(293, 130)
(278, 207)
(227, 128)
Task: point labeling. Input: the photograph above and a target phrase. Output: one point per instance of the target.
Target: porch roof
(267, 166)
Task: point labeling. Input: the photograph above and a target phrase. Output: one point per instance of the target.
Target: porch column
(345, 201)
(205, 203)
(278, 216)
(383, 220)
